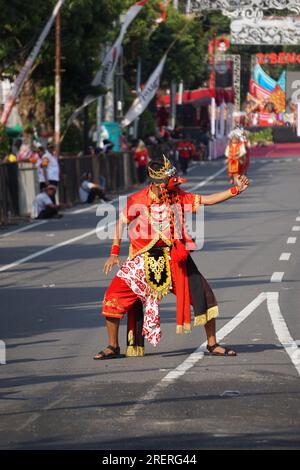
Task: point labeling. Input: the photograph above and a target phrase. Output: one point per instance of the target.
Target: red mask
(174, 182)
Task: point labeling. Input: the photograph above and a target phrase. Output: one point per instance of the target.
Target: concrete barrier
(28, 186)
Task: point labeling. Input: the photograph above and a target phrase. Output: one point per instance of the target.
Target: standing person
(247, 157)
(191, 148)
(50, 162)
(48, 166)
(183, 155)
(88, 191)
(236, 154)
(141, 156)
(37, 159)
(159, 262)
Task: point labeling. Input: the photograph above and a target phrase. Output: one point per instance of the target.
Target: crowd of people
(177, 147)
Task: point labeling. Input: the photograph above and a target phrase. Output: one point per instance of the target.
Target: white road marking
(277, 277)
(54, 247)
(291, 240)
(297, 219)
(210, 178)
(80, 211)
(285, 256)
(36, 416)
(222, 333)
(87, 234)
(282, 330)
(192, 360)
(92, 207)
(296, 228)
(23, 229)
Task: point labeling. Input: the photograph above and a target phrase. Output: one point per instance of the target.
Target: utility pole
(173, 104)
(138, 91)
(119, 92)
(57, 83)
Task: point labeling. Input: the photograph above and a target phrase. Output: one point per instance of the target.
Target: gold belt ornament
(157, 266)
(158, 272)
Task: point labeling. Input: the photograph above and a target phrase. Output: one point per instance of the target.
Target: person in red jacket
(186, 150)
(142, 159)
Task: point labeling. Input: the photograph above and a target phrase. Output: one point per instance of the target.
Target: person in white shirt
(48, 168)
(88, 191)
(42, 205)
(52, 166)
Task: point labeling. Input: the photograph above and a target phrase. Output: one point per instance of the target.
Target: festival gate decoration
(250, 26)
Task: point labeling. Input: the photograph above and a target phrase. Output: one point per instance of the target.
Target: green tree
(87, 25)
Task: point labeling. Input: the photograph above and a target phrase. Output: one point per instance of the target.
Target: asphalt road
(54, 396)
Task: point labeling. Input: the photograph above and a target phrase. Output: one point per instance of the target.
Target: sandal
(227, 351)
(115, 354)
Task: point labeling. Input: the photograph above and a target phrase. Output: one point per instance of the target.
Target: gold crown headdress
(166, 171)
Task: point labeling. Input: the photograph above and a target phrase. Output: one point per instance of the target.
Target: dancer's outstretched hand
(112, 260)
(242, 183)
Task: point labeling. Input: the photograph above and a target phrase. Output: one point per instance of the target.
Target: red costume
(236, 154)
(158, 263)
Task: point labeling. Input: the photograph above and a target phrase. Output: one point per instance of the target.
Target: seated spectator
(88, 190)
(43, 207)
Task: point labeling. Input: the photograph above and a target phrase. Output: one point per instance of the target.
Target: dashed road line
(192, 359)
(285, 256)
(280, 328)
(23, 229)
(296, 228)
(291, 240)
(277, 277)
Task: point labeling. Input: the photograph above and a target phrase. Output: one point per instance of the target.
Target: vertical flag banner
(18, 85)
(105, 73)
(147, 94)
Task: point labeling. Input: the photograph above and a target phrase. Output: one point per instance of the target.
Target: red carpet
(276, 151)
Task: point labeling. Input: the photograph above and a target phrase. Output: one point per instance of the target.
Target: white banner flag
(146, 95)
(18, 85)
(105, 73)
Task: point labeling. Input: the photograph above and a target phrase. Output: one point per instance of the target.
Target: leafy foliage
(4, 143)
(87, 26)
(262, 137)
